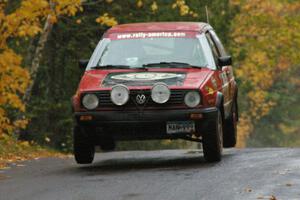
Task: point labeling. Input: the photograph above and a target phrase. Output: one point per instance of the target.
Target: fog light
(196, 116)
(86, 118)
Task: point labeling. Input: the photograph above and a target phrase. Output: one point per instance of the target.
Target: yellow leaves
(47, 139)
(259, 104)
(52, 19)
(184, 9)
(193, 14)
(154, 6)
(287, 129)
(21, 123)
(256, 70)
(244, 128)
(139, 3)
(25, 21)
(266, 38)
(283, 63)
(78, 21)
(13, 83)
(105, 19)
(12, 151)
(235, 2)
(24, 144)
(27, 16)
(66, 7)
(28, 30)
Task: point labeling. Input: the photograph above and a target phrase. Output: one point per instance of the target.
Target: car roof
(159, 26)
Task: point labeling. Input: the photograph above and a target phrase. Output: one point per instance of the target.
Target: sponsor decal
(147, 76)
(209, 90)
(214, 83)
(144, 78)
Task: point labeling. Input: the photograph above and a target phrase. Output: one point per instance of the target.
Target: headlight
(90, 101)
(192, 99)
(119, 95)
(160, 93)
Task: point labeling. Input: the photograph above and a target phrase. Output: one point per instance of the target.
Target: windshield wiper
(111, 67)
(173, 64)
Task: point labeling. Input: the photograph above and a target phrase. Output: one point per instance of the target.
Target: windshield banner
(143, 35)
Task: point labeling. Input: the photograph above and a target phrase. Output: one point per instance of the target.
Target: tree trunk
(35, 64)
(34, 67)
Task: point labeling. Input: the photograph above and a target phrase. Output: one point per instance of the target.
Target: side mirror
(83, 63)
(224, 61)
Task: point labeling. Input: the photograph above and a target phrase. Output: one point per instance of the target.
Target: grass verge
(12, 151)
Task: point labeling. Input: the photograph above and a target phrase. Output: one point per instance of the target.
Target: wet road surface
(158, 175)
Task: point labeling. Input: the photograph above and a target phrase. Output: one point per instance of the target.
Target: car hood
(175, 78)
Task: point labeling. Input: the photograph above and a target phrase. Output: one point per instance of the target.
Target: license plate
(180, 127)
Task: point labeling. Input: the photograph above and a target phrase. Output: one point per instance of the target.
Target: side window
(217, 41)
(213, 47)
(208, 54)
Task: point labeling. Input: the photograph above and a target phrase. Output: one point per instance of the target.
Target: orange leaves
(13, 83)
(66, 7)
(25, 21)
(244, 128)
(184, 9)
(107, 20)
(139, 3)
(255, 70)
(13, 151)
(154, 6)
(266, 38)
(14, 79)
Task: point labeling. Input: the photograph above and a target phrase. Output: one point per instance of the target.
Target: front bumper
(140, 125)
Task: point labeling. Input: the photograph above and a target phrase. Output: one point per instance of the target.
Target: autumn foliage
(265, 45)
(24, 22)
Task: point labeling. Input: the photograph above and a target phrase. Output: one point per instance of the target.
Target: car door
(224, 74)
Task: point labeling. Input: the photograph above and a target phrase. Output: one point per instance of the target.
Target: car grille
(176, 98)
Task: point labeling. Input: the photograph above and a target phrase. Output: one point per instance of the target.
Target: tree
(266, 39)
(23, 22)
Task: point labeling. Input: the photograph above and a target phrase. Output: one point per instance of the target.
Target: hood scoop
(144, 78)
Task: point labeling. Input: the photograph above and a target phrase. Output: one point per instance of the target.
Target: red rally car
(168, 80)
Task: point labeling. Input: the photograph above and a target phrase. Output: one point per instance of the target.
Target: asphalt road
(158, 175)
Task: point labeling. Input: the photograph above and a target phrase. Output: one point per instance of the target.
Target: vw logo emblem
(140, 98)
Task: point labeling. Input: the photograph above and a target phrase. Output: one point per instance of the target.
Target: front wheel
(213, 140)
(84, 149)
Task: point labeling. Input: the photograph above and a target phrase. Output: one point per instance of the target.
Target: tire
(230, 130)
(83, 147)
(107, 144)
(213, 140)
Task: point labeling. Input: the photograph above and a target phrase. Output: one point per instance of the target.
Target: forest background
(41, 42)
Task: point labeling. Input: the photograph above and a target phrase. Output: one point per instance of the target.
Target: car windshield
(150, 52)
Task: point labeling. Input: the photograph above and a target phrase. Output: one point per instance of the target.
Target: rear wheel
(84, 149)
(230, 132)
(213, 139)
